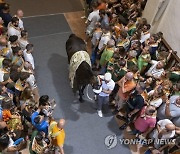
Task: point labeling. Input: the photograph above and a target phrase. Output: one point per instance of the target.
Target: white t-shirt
(23, 43)
(13, 31)
(154, 71)
(96, 36)
(144, 37)
(157, 102)
(92, 18)
(28, 57)
(107, 86)
(21, 25)
(104, 40)
(162, 124)
(32, 81)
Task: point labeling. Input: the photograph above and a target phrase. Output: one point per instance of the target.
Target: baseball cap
(107, 76)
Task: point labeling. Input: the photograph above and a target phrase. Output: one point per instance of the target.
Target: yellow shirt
(57, 134)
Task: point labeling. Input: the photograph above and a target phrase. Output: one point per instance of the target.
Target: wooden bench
(174, 59)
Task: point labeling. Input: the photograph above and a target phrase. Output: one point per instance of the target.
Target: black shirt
(6, 18)
(136, 101)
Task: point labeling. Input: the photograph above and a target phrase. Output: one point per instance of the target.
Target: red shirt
(142, 124)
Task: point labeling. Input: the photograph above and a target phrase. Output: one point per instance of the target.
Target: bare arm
(148, 131)
(167, 109)
(107, 91)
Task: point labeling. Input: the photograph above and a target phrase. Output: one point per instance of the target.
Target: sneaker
(100, 113)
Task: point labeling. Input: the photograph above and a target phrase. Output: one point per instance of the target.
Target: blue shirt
(43, 126)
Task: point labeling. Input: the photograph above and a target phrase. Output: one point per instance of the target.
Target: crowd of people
(25, 117)
(136, 82)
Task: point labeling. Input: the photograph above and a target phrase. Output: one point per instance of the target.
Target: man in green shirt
(107, 55)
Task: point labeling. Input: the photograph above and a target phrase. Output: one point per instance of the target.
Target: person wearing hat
(107, 87)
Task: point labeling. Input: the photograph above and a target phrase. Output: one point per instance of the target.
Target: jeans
(102, 100)
(103, 70)
(93, 56)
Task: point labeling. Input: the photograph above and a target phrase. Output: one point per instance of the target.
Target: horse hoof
(81, 100)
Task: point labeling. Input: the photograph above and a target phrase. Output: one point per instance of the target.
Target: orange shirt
(6, 114)
(128, 87)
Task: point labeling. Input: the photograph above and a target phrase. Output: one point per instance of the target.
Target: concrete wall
(169, 23)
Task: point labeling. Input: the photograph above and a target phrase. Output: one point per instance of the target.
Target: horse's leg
(81, 90)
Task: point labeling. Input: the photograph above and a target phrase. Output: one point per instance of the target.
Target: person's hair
(138, 35)
(160, 34)
(148, 26)
(6, 63)
(26, 94)
(5, 6)
(37, 119)
(23, 33)
(14, 68)
(122, 62)
(133, 68)
(144, 21)
(155, 36)
(43, 100)
(123, 34)
(29, 47)
(24, 76)
(16, 49)
(4, 140)
(152, 111)
(4, 30)
(14, 75)
(13, 38)
(39, 137)
(6, 103)
(142, 85)
(102, 12)
(122, 51)
(14, 19)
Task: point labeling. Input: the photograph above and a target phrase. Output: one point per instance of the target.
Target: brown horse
(83, 74)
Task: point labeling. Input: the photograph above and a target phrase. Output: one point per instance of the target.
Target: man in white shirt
(156, 70)
(13, 27)
(91, 21)
(165, 130)
(107, 87)
(28, 54)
